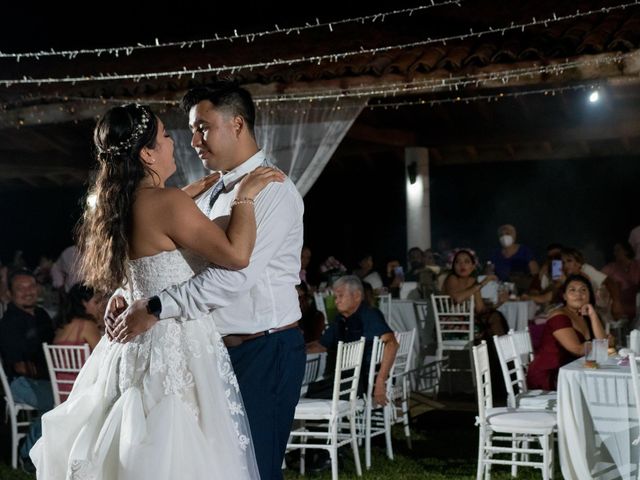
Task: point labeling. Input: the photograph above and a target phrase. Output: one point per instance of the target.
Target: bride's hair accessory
(139, 127)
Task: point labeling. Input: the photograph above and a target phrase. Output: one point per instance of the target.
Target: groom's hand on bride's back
(201, 185)
(117, 304)
(136, 319)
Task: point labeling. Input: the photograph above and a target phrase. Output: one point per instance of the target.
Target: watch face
(154, 306)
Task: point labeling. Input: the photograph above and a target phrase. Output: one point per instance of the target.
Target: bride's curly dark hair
(104, 231)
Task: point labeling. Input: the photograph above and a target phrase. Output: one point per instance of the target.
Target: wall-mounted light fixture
(412, 172)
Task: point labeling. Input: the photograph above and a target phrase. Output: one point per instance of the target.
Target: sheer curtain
(299, 139)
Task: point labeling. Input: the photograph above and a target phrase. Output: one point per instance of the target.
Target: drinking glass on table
(600, 347)
(589, 353)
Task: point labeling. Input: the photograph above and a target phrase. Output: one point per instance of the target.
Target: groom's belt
(235, 339)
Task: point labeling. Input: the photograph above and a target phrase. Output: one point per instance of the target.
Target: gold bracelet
(242, 201)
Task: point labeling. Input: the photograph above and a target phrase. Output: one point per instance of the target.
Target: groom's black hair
(223, 94)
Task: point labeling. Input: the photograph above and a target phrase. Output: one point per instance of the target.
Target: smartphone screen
(556, 269)
(398, 271)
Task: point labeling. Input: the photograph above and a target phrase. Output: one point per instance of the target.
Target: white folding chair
(64, 363)
(513, 373)
(328, 413)
(377, 419)
(522, 345)
(384, 304)
(321, 307)
(515, 428)
(425, 334)
(13, 411)
(314, 370)
(454, 328)
(400, 379)
(635, 384)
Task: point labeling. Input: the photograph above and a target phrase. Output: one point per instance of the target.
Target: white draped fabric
(597, 422)
(300, 138)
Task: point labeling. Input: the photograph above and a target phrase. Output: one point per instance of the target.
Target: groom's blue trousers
(269, 371)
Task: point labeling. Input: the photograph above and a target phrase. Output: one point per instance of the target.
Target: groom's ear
(238, 125)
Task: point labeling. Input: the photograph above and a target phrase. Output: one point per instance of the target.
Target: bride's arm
(187, 226)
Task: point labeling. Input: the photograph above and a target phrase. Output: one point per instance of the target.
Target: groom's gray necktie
(215, 193)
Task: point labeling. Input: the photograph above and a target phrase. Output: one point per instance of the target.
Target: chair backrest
(513, 381)
(347, 374)
(483, 379)
(8, 396)
(635, 382)
(310, 371)
(421, 308)
(64, 363)
(634, 341)
(404, 355)
(522, 346)
(377, 352)
(384, 304)
(454, 321)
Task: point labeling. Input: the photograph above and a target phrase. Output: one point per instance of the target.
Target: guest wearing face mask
(514, 262)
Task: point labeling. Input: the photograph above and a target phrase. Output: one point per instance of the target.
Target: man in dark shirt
(356, 319)
(23, 328)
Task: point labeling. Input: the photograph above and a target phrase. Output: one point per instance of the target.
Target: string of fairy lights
(248, 37)
(451, 84)
(331, 57)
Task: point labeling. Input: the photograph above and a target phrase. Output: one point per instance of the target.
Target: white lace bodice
(150, 275)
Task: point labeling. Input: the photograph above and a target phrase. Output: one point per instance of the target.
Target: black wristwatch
(154, 306)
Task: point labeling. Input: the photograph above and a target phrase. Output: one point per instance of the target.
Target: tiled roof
(618, 30)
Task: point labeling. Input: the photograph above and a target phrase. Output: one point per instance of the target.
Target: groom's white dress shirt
(263, 295)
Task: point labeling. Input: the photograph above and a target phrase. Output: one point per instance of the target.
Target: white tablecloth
(518, 313)
(403, 318)
(597, 422)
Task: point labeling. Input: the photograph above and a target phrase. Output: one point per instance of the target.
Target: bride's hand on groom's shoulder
(254, 182)
(132, 322)
(201, 185)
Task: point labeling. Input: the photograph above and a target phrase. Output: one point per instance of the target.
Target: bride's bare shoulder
(161, 197)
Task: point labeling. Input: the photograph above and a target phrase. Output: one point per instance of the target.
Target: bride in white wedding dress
(165, 405)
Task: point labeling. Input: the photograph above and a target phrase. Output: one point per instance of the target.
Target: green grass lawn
(444, 447)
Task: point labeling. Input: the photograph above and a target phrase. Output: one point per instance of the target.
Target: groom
(255, 309)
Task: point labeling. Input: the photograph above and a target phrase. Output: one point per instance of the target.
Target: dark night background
(354, 206)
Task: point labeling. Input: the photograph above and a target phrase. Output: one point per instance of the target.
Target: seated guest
(394, 278)
(77, 325)
(607, 292)
(305, 258)
(4, 285)
(514, 262)
(548, 270)
(625, 270)
(546, 287)
(366, 272)
(565, 333)
(312, 321)
(355, 319)
(65, 271)
(417, 263)
(461, 284)
(23, 329)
